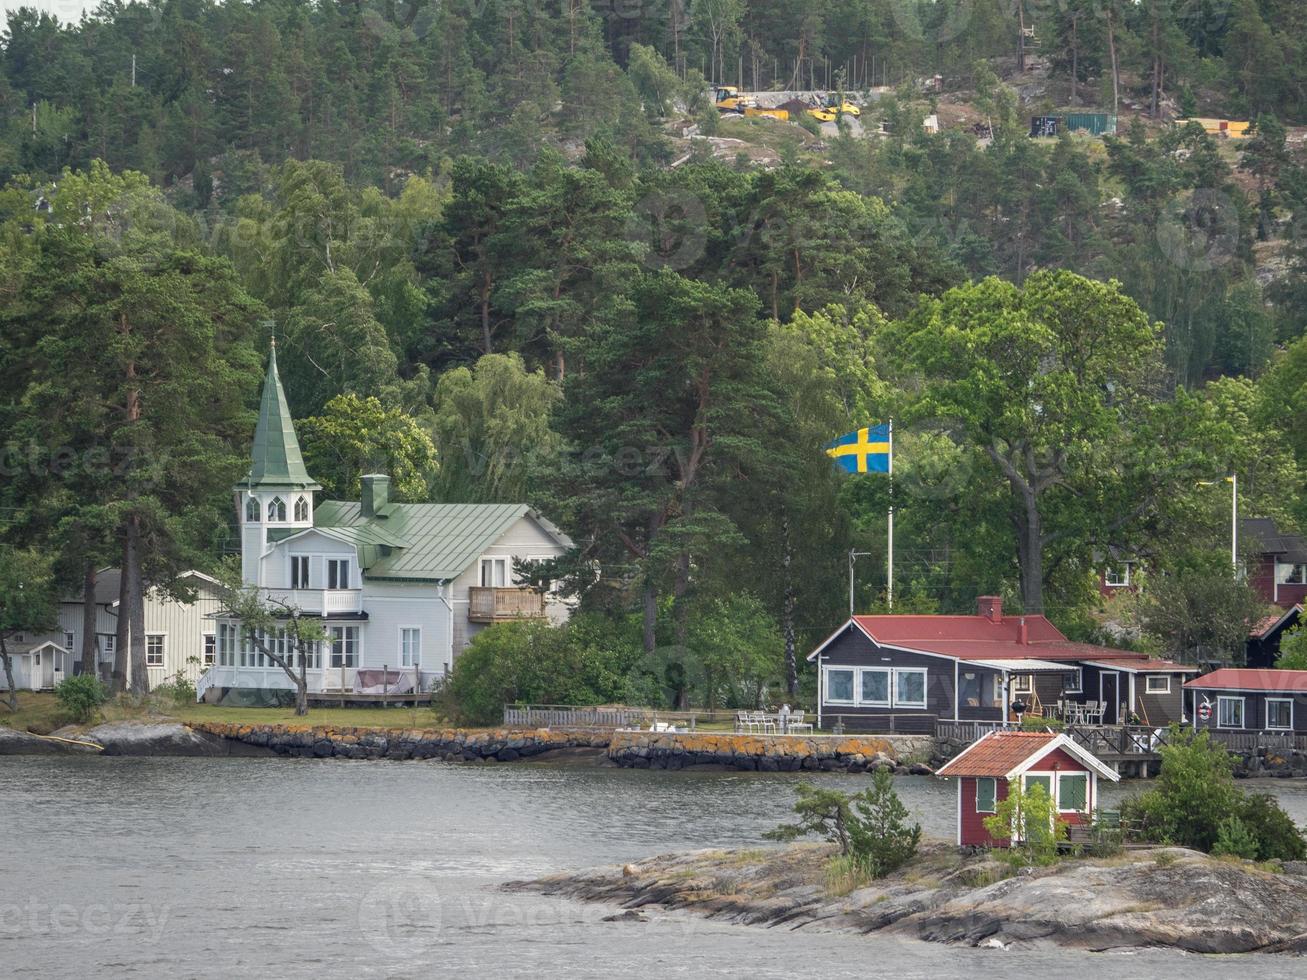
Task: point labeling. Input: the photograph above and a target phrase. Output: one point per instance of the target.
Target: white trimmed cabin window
(876, 687)
(301, 509)
(338, 573)
(410, 646)
(1279, 713)
(154, 650)
(210, 650)
(344, 646)
(1229, 712)
(494, 573)
(1157, 684)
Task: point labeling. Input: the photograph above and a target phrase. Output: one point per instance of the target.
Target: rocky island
(1162, 897)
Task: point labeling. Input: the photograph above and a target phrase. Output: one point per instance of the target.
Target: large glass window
(299, 571)
(344, 646)
(1074, 682)
(1229, 712)
(338, 573)
(909, 688)
(410, 646)
(839, 686)
(1072, 791)
(494, 573)
(875, 687)
(1279, 713)
(301, 509)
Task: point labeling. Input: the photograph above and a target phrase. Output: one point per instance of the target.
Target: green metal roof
(277, 461)
(424, 541)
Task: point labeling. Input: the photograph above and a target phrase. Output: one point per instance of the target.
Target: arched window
(252, 510)
(276, 509)
(301, 509)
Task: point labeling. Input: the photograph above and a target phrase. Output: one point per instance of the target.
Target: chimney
(376, 494)
(1023, 637)
(991, 607)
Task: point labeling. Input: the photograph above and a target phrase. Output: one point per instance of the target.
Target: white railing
(322, 601)
(203, 684)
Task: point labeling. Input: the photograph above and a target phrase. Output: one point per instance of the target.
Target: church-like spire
(276, 461)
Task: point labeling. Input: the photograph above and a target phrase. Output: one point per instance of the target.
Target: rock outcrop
(771, 753)
(1165, 897)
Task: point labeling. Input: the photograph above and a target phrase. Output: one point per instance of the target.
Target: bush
(1196, 803)
(1040, 828)
(582, 662)
(81, 696)
(1038, 724)
(870, 827)
(177, 689)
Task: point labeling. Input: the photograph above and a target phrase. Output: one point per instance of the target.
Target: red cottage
(986, 768)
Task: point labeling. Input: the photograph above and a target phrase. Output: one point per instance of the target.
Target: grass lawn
(40, 713)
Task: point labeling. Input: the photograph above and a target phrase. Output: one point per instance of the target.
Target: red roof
(1138, 662)
(1248, 679)
(981, 638)
(1267, 624)
(998, 754)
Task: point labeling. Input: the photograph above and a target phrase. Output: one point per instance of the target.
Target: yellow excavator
(833, 108)
(728, 99)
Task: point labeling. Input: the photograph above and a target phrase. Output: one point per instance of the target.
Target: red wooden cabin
(986, 768)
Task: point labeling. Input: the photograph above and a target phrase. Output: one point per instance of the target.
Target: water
(148, 868)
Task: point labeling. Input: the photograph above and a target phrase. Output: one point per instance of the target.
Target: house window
(70, 641)
(252, 510)
(276, 510)
(1295, 574)
(226, 644)
(1045, 781)
(1074, 682)
(874, 688)
(1279, 713)
(338, 573)
(1229, 712)
(344, 646)
(839, 686)
(909, 688)
(986, 793)
(1073, 792)
(1117, 576)
(210, 650)
(154, 650)
(1157, 684)
(410, 646)
(494, 573)
(1023, 684)
(301, 509)
(107, 645)
(299, 571)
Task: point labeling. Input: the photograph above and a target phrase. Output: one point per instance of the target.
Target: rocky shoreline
(1165, 897)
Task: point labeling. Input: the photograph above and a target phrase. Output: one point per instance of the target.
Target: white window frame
(405, 657)
(1088, 789)
(925, 687)
(163, 648)
(554, 584)
(1295, 573)
(1079, 674)
(346, 635)
(492, 561)
(208, 649)
(993, 796)
(1052, 782)
(298, 581)
(889, 687)
(70, 641)
(1113, 577)
(1243, 715)
(1028, 687)
(253, 511)
(1279, 728)
(277, 510)
(853, 685)
(301, 508)
(1150, 679)
(333, 566)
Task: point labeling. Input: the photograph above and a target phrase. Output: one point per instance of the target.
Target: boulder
(131, 738)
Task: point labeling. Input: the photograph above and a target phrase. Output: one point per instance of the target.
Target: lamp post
(1233, 480)
(854, 556)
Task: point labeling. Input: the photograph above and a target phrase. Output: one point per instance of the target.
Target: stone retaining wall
(771, 753)
(451, 745)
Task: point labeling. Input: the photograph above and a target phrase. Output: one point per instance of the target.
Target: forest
(509, 250)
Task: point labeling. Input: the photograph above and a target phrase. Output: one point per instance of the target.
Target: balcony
(490, 605)
(319, 602)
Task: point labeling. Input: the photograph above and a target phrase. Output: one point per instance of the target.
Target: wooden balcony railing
(490, 605)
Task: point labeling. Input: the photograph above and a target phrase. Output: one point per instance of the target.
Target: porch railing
(607, 717)
(491, 605)
(203, 684)
(1281, 743)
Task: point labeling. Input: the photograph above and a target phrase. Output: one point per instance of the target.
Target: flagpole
(889, 578)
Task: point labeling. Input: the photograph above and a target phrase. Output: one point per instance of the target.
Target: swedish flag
(864, 451)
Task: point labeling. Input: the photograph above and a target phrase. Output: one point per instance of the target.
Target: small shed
(986, 769)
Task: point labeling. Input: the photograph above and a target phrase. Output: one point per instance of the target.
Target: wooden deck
(347, 698)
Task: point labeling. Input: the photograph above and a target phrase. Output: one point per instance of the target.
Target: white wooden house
(400, 587)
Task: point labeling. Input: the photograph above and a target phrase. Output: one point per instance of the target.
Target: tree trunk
(1021, 36)
(1075, 59)
(787, 607)
(650, 616)
(139, 681)
(122, 632)
(1116, 71)
(485, 314)
(1030, 552)
(9, 674)
(1154, 106)
(90, 655)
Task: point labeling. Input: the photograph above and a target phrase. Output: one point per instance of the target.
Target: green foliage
(1293, 650)
(357, 435)
(870, 828)
(583, 662)
(81, 696)
(1033, 814)
(1233, 838)
(1195, 803)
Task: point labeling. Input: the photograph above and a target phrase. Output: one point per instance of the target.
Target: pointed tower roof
(276, 461)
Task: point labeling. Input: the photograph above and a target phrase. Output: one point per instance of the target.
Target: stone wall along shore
(772, 753)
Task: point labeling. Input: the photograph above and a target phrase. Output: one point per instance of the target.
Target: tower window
(276, 509)
(252, 510)
(301, 509)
